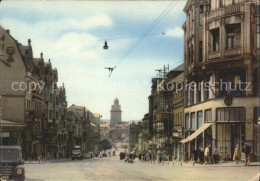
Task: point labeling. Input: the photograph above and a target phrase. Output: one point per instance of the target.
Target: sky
(72, 33)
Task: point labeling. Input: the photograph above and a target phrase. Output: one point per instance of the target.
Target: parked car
(77, 153)
(11, 163)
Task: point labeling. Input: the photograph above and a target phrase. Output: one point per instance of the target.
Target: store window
(231, 114)
(193, 121)
(187, 121)
(199, 119)
(207, 116)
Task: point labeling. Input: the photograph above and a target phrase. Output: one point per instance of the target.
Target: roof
(104, 125)
(37, 61)
(179, 68)
(179, 78)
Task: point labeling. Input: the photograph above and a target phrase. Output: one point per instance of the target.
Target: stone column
(249, 77)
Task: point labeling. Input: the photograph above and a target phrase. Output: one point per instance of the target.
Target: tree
(105, 144)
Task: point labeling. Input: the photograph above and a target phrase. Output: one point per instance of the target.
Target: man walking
(247, 151)
(215, 155)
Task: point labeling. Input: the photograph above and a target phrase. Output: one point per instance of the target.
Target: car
(11, 163)
(104, 154)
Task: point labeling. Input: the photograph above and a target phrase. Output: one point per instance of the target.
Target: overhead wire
(148, 30)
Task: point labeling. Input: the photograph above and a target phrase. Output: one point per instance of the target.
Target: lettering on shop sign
(10, 51)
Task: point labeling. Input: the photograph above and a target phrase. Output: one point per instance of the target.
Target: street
(115, 169)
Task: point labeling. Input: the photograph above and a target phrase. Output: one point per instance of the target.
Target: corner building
(222, 76)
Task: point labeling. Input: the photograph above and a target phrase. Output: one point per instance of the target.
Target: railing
(213, 55)
(232, 52)
(232, 9)
(236, 8)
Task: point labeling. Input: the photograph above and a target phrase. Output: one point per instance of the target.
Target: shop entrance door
(228, 136)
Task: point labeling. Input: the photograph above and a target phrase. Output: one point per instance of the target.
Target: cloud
(175, 32)
(69, 33)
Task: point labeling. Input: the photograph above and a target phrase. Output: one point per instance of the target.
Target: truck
(77, 153)
(11, 163)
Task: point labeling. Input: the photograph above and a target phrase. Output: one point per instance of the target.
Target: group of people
(205, 156)
(208, 155)
(237, 154)
(147, 157)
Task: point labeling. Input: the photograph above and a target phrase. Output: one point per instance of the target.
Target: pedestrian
(206, 155)
(195, 155)
(237, 154)
(247, 151)
(201, 156)
(159, 156)
(215, 155)
(186, 157)
(210, 154)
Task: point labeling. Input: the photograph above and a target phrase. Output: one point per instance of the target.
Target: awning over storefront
(196, 133)
(7, 123)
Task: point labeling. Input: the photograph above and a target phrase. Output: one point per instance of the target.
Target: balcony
(213, 55)
(232, 9)
(233, 52)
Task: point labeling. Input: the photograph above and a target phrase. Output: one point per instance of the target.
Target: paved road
(114, 169)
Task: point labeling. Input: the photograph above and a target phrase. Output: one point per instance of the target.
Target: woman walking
(237, 154)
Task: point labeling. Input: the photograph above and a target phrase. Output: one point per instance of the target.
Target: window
(200, 51)
(231, 114)
(187, 121)
(199, 119)
(193, 120)
(199, 92)
(201, 15)
(207, 116)
(233, 36)
(220, 3)
(258, 36)
(215, 39)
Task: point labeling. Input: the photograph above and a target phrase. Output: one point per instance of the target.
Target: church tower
(116, 113)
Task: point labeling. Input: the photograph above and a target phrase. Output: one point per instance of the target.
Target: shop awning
(196, 133)
(7, 123)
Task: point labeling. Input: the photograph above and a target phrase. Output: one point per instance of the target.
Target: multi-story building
(222, 73)
(176, 80)
(61, 118)
(13, 99)
(162, 117)
(82, 130)
(29, 110)
(135, 136)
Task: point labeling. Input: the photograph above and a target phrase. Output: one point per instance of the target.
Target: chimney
(8, 31)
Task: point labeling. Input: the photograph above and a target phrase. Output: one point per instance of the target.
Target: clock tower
(116, 113)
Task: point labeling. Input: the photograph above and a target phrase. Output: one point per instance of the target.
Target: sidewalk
(47, 161)
(191, 164)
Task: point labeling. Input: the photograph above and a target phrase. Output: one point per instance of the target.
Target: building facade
(221, 73)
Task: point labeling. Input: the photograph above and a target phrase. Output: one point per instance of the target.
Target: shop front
(230, 130)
